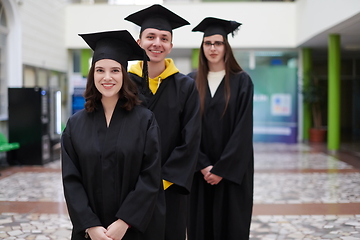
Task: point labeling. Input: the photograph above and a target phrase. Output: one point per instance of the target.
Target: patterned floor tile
(338, 227)
(285, 175)
(32, 186)
(301, 160)
(35, 226)
(306, 188)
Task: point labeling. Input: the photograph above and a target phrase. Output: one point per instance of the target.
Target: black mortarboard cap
(211, 26)
(116, 45)
(158, 17)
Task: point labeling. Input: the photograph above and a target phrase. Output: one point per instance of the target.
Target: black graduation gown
(224, 211)
(113, 172)
(176, 108)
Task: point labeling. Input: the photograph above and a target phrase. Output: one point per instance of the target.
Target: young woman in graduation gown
(111, 162)
(221, 197)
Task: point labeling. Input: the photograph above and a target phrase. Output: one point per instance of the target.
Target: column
(307, 68)
(195, 58)
(334, 60)
(86, 55)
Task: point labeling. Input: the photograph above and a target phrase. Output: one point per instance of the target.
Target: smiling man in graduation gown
(173, 98)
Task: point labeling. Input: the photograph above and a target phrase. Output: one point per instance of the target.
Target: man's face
(156, 43)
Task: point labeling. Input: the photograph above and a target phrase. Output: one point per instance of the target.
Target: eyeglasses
(215, 44)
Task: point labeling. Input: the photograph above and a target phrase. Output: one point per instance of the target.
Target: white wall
(317, 16)
(51, 27)
(43, 29)
(265, 25)
(14, 53)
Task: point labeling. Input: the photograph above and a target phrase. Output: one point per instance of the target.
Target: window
(76, 61)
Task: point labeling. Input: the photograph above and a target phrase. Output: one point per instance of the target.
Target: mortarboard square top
(158, 17)
(211, 26)
(116, 45)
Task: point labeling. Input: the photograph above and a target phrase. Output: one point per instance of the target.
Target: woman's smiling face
(108, 78)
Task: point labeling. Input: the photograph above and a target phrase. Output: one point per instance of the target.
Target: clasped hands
(115, 231)
(209, 177)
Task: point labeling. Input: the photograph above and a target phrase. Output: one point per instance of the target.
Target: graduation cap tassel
(145, 75)
(235, 26)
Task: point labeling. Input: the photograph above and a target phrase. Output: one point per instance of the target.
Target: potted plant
(314, 95)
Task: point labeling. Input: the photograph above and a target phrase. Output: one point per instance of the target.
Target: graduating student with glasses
(221, 197)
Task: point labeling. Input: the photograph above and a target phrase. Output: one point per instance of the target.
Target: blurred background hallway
(301, 192)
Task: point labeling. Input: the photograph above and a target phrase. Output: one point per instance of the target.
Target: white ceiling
(348, 30)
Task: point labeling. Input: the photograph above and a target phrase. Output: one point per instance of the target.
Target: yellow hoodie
(154, 83)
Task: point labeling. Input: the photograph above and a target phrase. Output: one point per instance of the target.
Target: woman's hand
(117, 229)
(98, 233)
(209, 177)
(212, 179)
(206, 170)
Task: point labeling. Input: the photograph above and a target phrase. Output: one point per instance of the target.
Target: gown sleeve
(203, 161)
(180, 166)
(80, 212)
(238, 152)
(139, 204)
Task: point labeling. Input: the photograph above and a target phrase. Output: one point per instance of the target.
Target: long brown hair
(231, 67)
(127, 92)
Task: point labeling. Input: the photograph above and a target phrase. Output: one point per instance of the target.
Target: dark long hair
(128, 92)
(231, 67)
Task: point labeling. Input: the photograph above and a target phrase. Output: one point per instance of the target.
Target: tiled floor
(300, 193)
